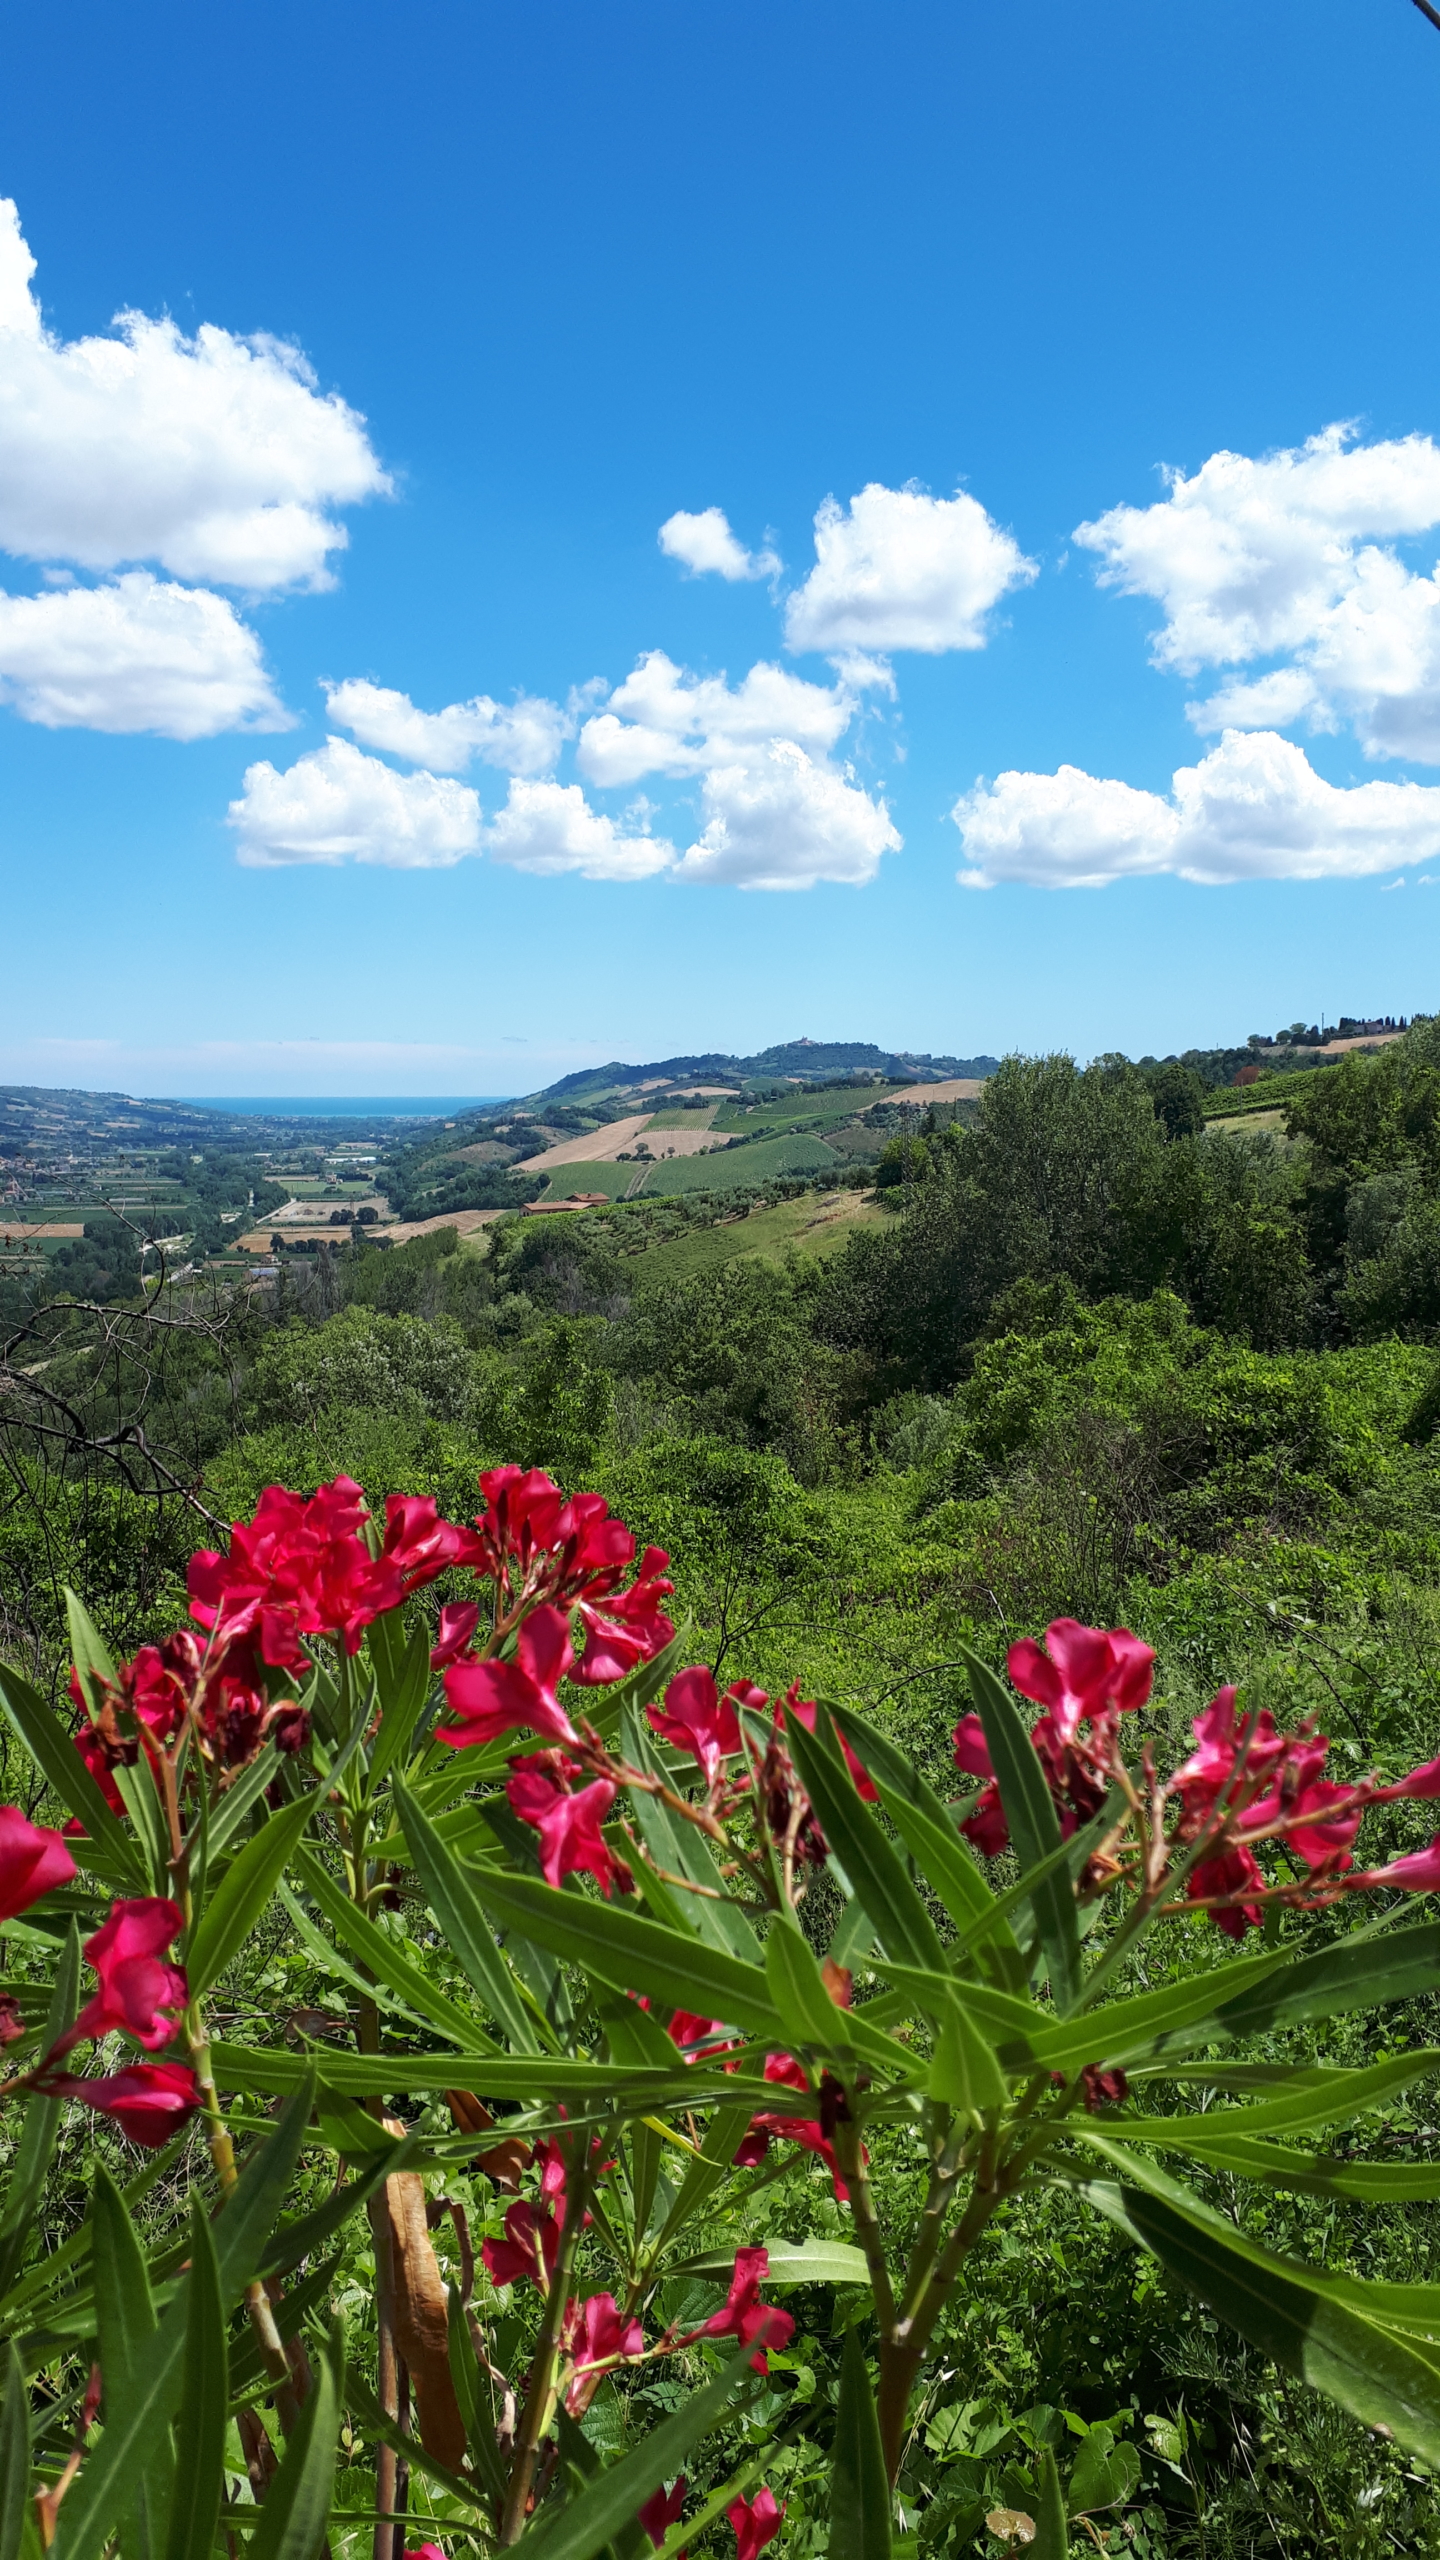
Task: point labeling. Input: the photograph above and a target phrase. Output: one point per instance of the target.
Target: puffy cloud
(524, 736)
(550, 827)
(338, 805)
(777, 820)
(1291, 556)
(661, 720)
(704, 542)
(1253, 809)
(900, 570)
(214, 455)
(135, 654)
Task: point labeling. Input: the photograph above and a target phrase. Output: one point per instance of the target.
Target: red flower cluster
(697, 1719)
(218, 1686)
(138, 1995)
(1089, 1678)
(302, 1568)
(537, 1546)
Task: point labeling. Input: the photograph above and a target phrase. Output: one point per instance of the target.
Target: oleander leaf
(860, 2495)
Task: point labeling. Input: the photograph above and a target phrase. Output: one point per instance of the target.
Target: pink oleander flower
(298, 1568)
(662, 2510)
(149, 2102)
(569, 1825)
(597, 2333)
(744, 2316)
(803, 1712)
(425, 2551)
(754, 2524)
(697, 1719)
(1233, 1872)
(628, 1627)
(458, 1622)
(138, 1995)
(1088, 1673)
(1417, 1872)
(530, 2247)
(783, 2071)
(33, 1862)
(418, 1543)
(491, 1698)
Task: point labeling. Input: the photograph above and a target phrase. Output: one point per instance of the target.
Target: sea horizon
(341, 1106)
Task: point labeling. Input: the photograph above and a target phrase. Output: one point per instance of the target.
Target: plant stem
(536, 2412)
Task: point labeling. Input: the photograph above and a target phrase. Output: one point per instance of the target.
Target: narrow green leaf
(367, 2414)
(631, 1953)
(14, 2456)
(245, 1889)
(296, 2514)
(384, 1958)
(142, 1803)
(55, 1756)
(1365, 1971)
(606, 2505)
(635, 2037)
(36, 2147)
(88, 1651)
(472, 2390)
(797, 1988)
(457, 1902)
(963, 2070)
(859, 2488)
(200, 2430)
(1014, 2027)
(1052, 2533)
(678, 1846)
(1344, 2095)
(791, 2262)
(540, 2076)
(876, 1873)
(1181, 2013)
(1275, 2164)
(402, 1676)
(1380, 2377)
(227, 1818)
(927, 1828)
(1034, 1827)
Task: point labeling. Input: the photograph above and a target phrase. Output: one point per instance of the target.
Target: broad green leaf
(457, 1904)
(54, 1754)
(606, 2505)
(125, 2327)
(296, 2514)
(402, 1674)
(677, 1846)
(244, 1892)
(1380, 2377)
(1345, 2094)
(791, 2262)
(36, 2146)
(797, 1988)
(200, 2428)
(14, 2456)
(860, 2500)
(387, 1961)
(963, 2070)
(1034, 1827)
(877, 1875)
(1105, 2475)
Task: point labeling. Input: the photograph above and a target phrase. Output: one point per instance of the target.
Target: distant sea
(343, 1106)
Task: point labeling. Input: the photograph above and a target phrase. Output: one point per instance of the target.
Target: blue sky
(577, 274)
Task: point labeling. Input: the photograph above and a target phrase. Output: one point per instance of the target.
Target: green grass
(1268, 1093)
(818, 1222)
(731, 1169)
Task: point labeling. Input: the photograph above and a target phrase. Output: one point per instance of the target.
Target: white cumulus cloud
(1254, 808)
(135, 654)
(663, 720)
(524, 736)
(550, 827)
(778, 820)
(214, 456)
(1292, 556)
(704, 543)
(901, 570)
(338, 805)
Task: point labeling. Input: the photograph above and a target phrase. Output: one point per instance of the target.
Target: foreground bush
(626, 1951)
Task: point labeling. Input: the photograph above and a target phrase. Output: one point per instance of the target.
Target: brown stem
(387, 2362)
(222, 2156)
